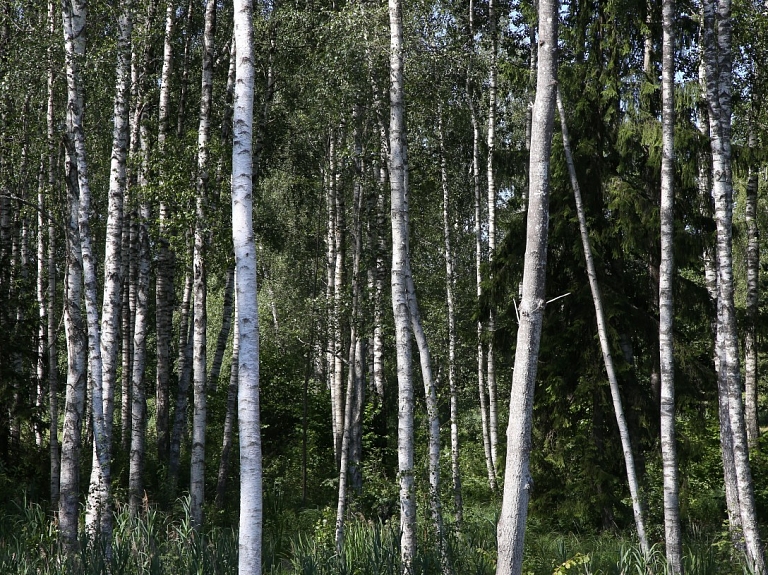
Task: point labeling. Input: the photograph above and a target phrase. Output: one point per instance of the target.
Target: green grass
(159, 544)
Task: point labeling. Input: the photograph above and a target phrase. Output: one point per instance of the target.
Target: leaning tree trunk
(672, 530)
(451, 303)
(399, 282)
(251, 509)
(517, 476)
(226, 327)
(718, 63)
(197, 465)
(229, 421)
(602, 332)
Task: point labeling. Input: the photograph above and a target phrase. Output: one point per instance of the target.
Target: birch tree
(197, 467)
(251, 509)
(517, 477)
(672, 530)
(716, 46)
(602, 332)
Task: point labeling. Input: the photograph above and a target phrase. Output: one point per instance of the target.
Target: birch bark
(753, 286)
(718, 64)
(672, 530)
(399, 283)
(451, 303)
(197, 466)
(251, 509)
(517, 478)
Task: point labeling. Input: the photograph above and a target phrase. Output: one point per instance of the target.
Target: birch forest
(354, 287)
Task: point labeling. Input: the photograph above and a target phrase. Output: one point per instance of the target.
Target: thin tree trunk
(602, 332)
(451, 303)
(139, 405)
(164, 291)
(229, 422)
(753, 286)
(181, 112)
(182, 396)
(338, 292)
(672, 529)
(491, 325)
(479, 259)
(251, 509)
(53, 369)
(517, 477)
(226, 327)
(197, 467)
(127, 337)
(718, 61)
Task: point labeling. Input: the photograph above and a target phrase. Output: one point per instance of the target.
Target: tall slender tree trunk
(517, 477)
(491, 140)
(164, 292)
(399, 282)
(629, 460)
(450, 282)
(226, 327)
(753, 287)
(672, 530)
(53, 368)
(718, 62)
(184, 372)
(479, 256)
(127, 337)
(229, 421)
(251, 509)
(197, 467)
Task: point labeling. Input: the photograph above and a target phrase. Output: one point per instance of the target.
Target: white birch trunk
(602, 331)
(399, 282)
(491, 325)
(718, 63)
(229, 420)
(76, 371)
(197, 465)
(251, 509)
(98, 502)
(451, 303)
(672, 529)
(517, 478)
(753, 286)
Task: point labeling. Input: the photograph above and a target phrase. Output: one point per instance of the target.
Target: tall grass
(160, 544)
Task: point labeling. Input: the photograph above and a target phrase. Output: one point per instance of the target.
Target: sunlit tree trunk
(74, 406)
(251, 509)
(99, 506)
(517, 477)
(716, 45)
(602, 332)
(491, 140)
(399, 282)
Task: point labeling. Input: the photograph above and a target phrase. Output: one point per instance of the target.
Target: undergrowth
(158, 544)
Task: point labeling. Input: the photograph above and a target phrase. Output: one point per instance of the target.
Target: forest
(405, 288)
